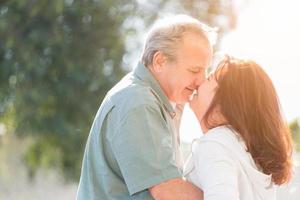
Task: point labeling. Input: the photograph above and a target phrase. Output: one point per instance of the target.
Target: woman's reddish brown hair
(248, 101)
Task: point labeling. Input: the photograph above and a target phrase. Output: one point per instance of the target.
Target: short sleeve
(143, 149)
(216, 170)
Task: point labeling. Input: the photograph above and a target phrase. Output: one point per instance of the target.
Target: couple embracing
(132, 151)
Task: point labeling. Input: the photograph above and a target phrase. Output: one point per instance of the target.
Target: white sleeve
(216, 170)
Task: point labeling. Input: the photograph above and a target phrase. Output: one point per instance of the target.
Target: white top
(220, 165)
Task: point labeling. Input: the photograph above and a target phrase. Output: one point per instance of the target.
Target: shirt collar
(144, 74)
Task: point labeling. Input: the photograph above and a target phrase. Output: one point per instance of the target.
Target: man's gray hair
(166, 34)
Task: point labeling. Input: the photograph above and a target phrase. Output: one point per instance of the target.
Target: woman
(246, 147)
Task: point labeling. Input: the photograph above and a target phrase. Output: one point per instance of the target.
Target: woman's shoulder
(214, 143)
(221, 142)
(223, 146)
(211, 149)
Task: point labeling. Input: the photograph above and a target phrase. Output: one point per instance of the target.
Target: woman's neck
(216, 119)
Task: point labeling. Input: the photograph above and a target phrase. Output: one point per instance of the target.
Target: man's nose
(199, 80)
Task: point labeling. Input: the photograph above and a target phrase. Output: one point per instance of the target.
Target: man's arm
(176, 189)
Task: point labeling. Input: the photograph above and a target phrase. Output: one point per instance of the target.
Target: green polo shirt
(131, 145)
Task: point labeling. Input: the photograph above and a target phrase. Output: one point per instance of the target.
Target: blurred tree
(295, 130)
(58, 59)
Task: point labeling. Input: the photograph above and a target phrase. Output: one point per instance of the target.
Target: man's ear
(159, 61)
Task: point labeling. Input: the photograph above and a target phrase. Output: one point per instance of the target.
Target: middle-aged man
(133, 148)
